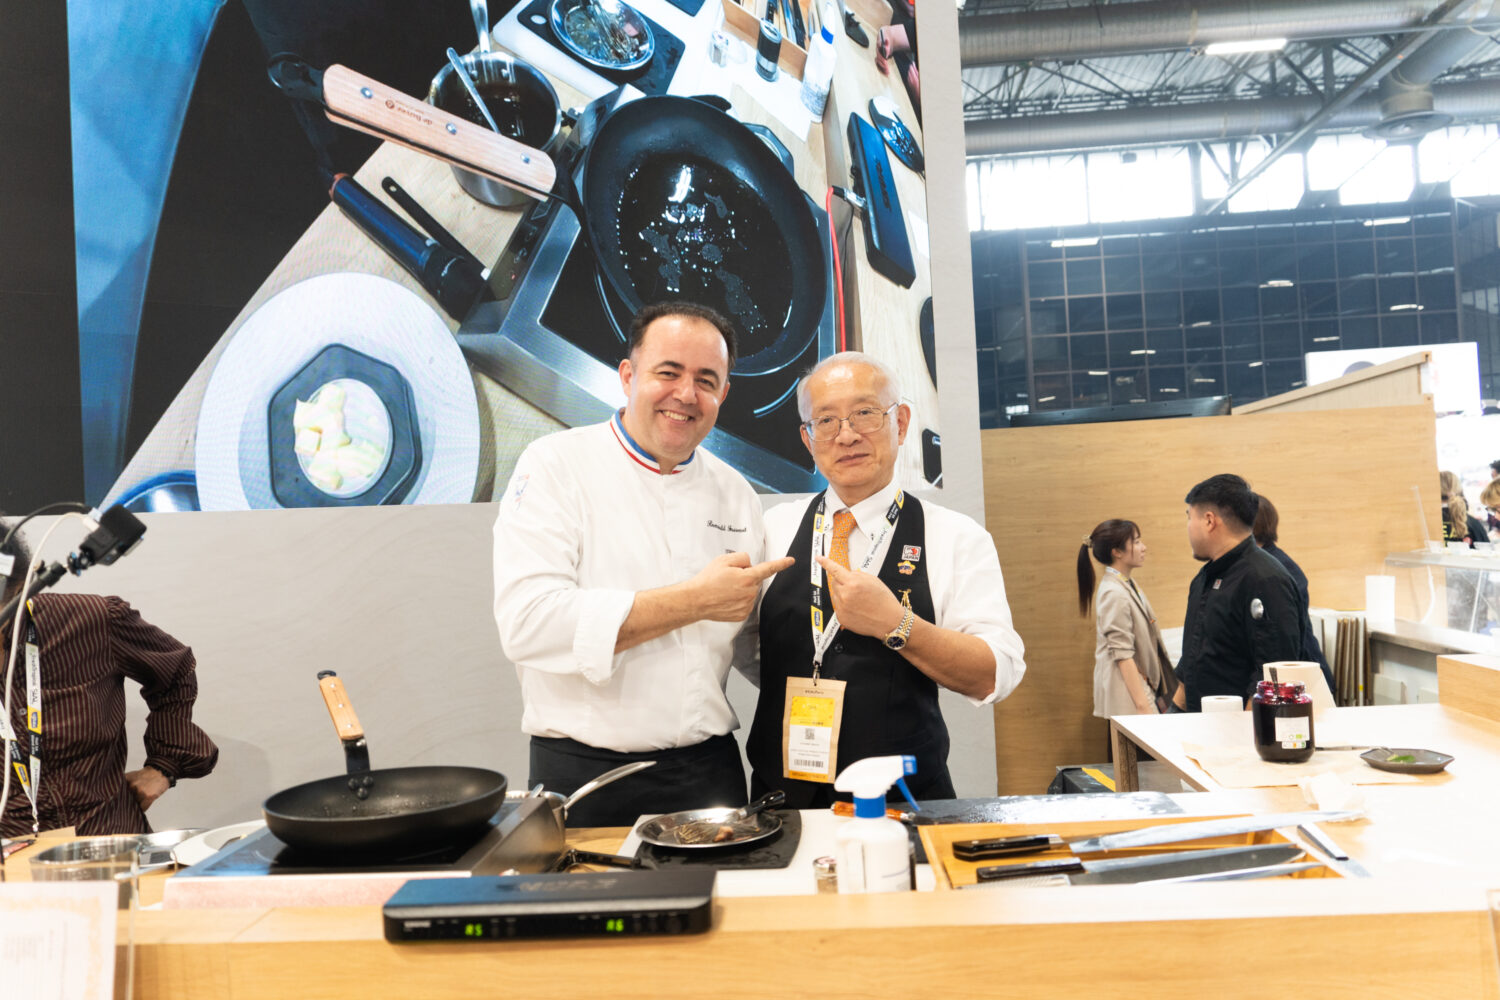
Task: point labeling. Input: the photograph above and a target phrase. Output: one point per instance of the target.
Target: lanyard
(28, 766)
(822, 533)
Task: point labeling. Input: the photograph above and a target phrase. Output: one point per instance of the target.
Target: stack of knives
(1212, 864)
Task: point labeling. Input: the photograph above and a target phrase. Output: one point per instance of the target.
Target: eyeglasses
(865, 420)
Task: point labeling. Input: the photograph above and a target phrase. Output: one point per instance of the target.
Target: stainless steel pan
(684, 829)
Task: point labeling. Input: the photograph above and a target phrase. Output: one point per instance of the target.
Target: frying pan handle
(339, 708)
(362, 103)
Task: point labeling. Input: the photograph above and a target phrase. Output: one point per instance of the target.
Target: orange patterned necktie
(843, 524)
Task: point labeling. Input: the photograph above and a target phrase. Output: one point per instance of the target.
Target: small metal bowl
(562, 12)
(538, 115)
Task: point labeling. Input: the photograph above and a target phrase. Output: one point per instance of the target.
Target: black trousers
(701, 776)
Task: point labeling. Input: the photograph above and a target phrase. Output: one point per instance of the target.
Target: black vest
(890, 707)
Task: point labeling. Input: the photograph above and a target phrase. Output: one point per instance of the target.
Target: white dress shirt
(963, 571)
(585, 523)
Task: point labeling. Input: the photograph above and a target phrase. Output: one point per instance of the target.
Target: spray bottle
(873, 850)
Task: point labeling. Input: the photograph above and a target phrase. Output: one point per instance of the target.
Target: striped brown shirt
(89, 645)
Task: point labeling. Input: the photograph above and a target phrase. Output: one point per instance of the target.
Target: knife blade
(1150, 868)
(1240, 874)
(1171, 833)
(1339, 858)
(1185, 865)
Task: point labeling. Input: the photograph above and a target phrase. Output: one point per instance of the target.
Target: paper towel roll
(1380, 599)
(1311, 676)
(1223, 703)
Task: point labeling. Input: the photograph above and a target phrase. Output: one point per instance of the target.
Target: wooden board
(956, 873)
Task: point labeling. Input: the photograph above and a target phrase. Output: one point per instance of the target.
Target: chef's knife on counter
(1174, 866)
(1171, 833)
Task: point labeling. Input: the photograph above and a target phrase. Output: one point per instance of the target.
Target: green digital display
(615, 925)
(473, 930)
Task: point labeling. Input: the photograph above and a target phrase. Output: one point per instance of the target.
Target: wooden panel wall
(1342, 481)
(1402, 382)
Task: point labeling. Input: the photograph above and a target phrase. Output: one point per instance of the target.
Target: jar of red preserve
(1282, 713)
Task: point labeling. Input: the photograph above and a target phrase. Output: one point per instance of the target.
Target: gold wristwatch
(896, 637)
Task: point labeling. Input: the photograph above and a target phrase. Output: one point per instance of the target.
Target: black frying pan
(389, 811)
(679, 201)
(683, 202)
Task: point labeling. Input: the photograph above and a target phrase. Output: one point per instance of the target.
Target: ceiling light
(1256, 364)
(1323, 340)
(1046, 399)
(1238, 48)
(1077, 241)
(1202, 381)
(1098, 373)
(1405, 306)
(1165, 389)
(1393, 221)
(1276, 283)
(1201, 322)
(1143, 351)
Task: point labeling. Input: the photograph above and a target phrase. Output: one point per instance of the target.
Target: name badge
(810, 723)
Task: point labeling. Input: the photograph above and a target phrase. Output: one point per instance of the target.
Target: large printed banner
(430, 321)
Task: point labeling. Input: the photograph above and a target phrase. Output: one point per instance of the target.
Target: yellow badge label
(812, 711)
(34, 719)
(817, 619)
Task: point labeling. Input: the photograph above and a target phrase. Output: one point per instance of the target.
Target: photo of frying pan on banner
(677, 201)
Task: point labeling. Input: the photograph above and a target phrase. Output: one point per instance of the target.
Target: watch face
(895, 641)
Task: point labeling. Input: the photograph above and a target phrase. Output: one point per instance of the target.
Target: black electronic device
(886, 242)
(599, 904)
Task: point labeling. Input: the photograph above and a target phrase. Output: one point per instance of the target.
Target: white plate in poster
(366, 313)
(206, 845)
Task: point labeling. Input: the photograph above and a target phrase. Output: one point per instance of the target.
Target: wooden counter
(1379, 937)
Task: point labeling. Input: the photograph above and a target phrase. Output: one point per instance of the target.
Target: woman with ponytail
(1458, 523)
(1132, 672)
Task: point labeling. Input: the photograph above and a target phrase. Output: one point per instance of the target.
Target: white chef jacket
(587, 521)
(963, 571)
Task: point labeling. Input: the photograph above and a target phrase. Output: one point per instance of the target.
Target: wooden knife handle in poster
(359, 102)
(339, 708)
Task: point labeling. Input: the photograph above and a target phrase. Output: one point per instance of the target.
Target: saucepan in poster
(361, 322)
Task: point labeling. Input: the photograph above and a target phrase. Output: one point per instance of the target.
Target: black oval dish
(1424, 762)
(288, 483)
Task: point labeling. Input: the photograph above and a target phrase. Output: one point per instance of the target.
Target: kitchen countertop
(1409, 938)
(507, 423)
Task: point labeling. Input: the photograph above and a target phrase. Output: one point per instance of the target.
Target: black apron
(890, 707)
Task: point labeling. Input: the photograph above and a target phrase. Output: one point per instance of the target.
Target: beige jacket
(1126, 630)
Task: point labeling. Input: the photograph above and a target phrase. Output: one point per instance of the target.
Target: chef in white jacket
(627, 559)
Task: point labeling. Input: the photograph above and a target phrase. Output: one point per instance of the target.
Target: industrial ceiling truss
(1048, 76)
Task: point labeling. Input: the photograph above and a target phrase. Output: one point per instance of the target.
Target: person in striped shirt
(88, 646)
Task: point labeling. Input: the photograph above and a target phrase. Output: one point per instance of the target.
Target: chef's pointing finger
(830, 567)
(771, 567)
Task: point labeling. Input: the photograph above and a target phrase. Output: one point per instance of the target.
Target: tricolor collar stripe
(638, 454)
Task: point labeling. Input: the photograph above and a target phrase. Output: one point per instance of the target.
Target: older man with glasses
(889, 598)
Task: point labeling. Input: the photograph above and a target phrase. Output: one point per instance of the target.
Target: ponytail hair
(1458, 507)
(1101, 543)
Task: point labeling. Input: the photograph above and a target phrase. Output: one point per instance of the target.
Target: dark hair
(1266, 522)
(1229, 496)
(650, 314)
(1495, 466)
(1102, 542)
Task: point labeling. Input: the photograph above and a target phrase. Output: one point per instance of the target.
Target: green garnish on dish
(1401, 758)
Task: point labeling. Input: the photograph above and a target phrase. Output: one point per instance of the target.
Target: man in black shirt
(1243, 610)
